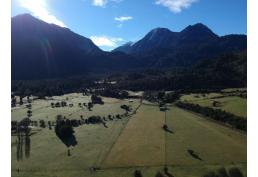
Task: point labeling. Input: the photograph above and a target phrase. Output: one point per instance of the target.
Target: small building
(162, 108)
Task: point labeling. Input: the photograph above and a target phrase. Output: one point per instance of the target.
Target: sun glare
(40, 9)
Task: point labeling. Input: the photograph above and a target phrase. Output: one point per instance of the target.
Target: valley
(120, 145)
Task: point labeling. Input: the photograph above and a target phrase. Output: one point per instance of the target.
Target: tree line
(237, 122)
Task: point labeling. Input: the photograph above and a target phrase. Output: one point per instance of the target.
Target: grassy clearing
(48, 153)
(142, 143)
(138, 142)
(214, 144)
(233, 104)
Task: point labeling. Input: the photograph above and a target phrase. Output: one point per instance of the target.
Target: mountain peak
(124, 48)
(159, 29)
(198, 30)
(25, 17)
(157, 32)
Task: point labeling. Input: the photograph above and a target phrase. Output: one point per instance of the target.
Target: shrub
(235, 172)
(137, 173)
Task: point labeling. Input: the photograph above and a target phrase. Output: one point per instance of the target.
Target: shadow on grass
(66, 134)
(194, 155)
(165, 127)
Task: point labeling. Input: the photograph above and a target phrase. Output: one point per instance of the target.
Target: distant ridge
(41, 50)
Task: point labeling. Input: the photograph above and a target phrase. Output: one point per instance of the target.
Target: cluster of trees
(162, 96)
(138, 173)
(96, 99)
(51, 87)
(225, 71)
(127, 108)
(114, 93)
(216, 114)
(88, 105)
(13, 100)
(222, 172)
(59, 104)
(23, 125)
(64, 131)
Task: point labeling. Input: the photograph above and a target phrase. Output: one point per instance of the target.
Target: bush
(96, 99)
(42, 124)
(137, 173)
(210, 174)
(235, 172)
(222, 172)
(95, 120)
(126, 108)
(158, 174)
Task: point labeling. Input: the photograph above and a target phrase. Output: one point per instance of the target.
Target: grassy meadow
(230, 103)
(135, 142)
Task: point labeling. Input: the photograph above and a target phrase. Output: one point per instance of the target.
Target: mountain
(123, 48)
(164, 48)
(41, 50)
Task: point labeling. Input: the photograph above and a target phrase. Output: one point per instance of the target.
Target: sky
(111, 23)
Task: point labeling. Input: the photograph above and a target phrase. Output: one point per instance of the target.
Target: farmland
(230, 103)
(135, 142)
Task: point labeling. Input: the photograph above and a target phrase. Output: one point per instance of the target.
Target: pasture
(233, 104)
(135, 142)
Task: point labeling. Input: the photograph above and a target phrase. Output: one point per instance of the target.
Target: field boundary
(214, 121)
(112, 145)
(128, 167)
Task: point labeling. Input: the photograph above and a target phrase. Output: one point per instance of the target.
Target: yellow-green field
(136, 142)
(233, 104)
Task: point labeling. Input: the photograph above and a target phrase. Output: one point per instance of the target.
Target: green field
(136, 142)
(233, 104)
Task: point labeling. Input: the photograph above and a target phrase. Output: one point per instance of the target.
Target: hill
(44, 51)
(164, 48)
(41, 50)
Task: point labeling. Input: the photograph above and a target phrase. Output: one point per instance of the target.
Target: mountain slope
(41, 50)
(164, 48)
(123, 48)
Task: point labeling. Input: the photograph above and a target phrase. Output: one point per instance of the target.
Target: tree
(137, 173)
(96, 99)
(126, 108)
(90, 105)
(28, 99)
(29, 113)
(42, 124)
(21, 101)
(63, 104)
(68, 152)
(161, 95)
(235, 172)
(158, 174)
(13, 103)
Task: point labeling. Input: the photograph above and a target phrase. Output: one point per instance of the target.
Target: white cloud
(39, 9)
(176, 6)
(123, 18)
(105, 41)
(102, 3)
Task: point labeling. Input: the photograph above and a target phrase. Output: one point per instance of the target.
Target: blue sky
(110, 23)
